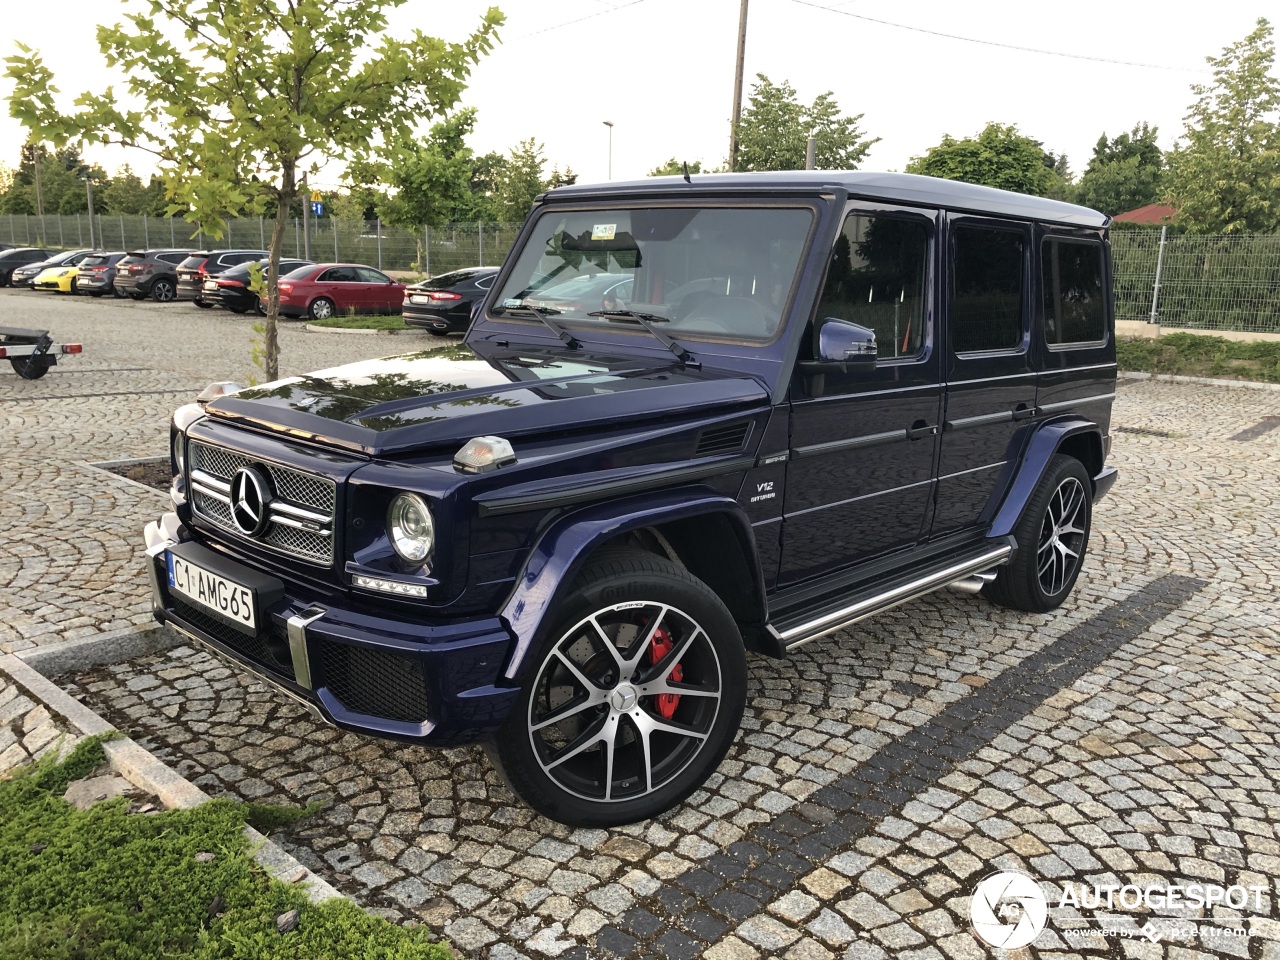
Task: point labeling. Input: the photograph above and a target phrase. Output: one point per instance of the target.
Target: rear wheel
(634, 700)
(30, 369)
(1053, 536)
(321, 308)
(163, 291)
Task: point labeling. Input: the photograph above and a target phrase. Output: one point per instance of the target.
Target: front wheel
(634, 700)
(1053, 536)
(321, 308)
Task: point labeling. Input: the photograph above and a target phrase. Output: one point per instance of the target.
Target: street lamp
(609, 124)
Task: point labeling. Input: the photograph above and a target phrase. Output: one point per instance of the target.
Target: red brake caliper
(659, 647)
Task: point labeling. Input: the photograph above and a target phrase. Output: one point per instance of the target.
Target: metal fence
(426, 250)
(1197, 282)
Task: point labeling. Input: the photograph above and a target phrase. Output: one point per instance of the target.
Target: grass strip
(1194, 355)
(364, 323)
(110, 885)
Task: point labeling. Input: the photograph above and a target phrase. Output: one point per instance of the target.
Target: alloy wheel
(625, 701)
(1062, 537)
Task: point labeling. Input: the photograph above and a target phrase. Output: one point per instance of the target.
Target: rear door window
(986, 290)
(1074, 292)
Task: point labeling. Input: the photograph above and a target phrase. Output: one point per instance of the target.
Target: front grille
(294, 487)
(380, 683)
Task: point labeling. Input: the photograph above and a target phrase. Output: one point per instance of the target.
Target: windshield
(706, 272)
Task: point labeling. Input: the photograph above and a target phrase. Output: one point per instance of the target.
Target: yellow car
(62, 279)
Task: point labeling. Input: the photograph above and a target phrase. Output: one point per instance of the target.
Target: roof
(906, 188)
(1155, 213)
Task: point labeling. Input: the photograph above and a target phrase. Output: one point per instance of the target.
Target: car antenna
(686, 172)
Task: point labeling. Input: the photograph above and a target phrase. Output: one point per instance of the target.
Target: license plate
(423, 301)
(213, 592)
(186, 276)
(211, 284)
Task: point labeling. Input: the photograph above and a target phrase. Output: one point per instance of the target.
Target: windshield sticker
(513, 302)
(604, 231)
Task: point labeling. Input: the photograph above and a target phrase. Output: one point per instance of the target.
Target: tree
(264, 87)
(433, 178)
(674, 167)
(1124, 173)
(999, 156)
(774, 130)
(124, 193)
(1224, 175)
(519, 180)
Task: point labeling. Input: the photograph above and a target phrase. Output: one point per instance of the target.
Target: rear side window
(877, 279)
(94, 261)
(369, 275)
(193, 263)
(1074, 293)
(173, 258)
(986, 290)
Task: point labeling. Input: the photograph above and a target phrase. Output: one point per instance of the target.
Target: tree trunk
(271, 348)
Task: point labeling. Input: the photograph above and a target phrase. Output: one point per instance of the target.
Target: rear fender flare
(1041, 448)
(559, 556)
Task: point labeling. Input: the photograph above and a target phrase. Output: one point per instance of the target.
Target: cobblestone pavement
(71, 554)
(28, 730)
(1131, 738)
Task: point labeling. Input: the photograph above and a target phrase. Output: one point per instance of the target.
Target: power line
(568, 23)
(994, 43)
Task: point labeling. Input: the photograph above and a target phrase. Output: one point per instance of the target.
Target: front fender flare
(558, 557)
(1044, 443)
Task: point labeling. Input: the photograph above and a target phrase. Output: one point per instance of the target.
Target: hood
(398, 404)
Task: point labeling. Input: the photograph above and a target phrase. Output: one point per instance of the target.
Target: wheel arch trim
(563, 549)
(1048, 439)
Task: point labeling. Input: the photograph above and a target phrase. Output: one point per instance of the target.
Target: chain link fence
(1196, 282)
(425, 250)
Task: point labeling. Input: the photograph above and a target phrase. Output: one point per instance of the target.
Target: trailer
(32, 352)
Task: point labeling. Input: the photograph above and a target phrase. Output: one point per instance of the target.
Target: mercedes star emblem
(250, 498)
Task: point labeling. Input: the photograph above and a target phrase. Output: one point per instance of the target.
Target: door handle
(1022, 411)
(921, 429)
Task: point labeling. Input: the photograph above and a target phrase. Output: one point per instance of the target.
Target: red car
(323, 290)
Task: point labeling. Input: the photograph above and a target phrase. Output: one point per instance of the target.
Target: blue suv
(694, 419)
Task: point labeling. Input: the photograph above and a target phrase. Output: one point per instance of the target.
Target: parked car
(23, 276)
(150, 273)
(443, 304)
(97, 273)
(325, 289)
(63, 279)
(11, 260)
(203, 264)
(828, 394)
(230, 290)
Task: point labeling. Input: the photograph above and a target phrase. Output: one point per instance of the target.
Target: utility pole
(609, 124)
(737, 88)
(306, 220)
(811, 152)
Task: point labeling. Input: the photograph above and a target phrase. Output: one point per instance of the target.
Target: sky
(661, 71)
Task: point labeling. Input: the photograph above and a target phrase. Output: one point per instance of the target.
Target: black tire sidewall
(626, 577)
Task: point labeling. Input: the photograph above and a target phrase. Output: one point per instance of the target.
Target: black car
(203, 264)
(230, 290)
(11, 260)
(821, 395)
(443, 304)
(22, 276)
(150, 273)
(98, 273)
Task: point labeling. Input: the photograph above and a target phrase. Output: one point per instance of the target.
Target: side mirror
(840, 344)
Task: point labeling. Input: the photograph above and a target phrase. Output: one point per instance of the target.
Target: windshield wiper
(544, 315)
(647, 320)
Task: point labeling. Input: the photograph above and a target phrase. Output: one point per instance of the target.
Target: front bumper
(433, 683)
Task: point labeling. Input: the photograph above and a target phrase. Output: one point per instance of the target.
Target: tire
(96, 296)
(262, 309)
(37, 370)
(238, 310)
(137, 296)
(321, 308)
(75, 288)
(163, 291)
(554, 748)
(6, 279)
(1053, 537)
(201, 304)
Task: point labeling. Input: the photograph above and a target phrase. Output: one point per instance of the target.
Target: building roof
(904, 188)
(1154, 213)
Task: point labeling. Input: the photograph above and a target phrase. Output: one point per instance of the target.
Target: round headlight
(179, 453)
(410, 527)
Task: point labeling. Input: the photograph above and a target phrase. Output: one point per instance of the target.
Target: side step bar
(974, 567)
